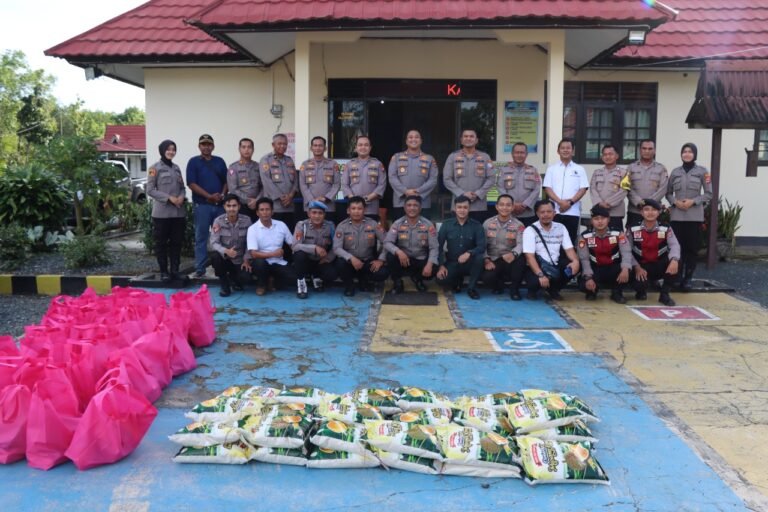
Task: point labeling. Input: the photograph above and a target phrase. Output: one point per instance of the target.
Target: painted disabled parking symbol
(527, 341)
(675, 313)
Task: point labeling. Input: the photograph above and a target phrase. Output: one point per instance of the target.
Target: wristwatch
(540, 274)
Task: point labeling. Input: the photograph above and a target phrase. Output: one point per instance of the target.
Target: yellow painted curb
(48, 285)
(101, 284)
(6, 285)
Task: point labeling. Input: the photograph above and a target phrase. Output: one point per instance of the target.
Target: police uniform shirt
(417, 240)
(554, 239)
(307, 236)
(606, 187)
(469, 172)
(278, 178)
(588, 242)
(503, 237)
(163, 182)
(661, 232)
(523, 183)
(460, 238)
(319, 178)
(359, 240)
(409, 170)
(695, 184)
(565, 181)
(226, 235)
(362, 178)
(646, 182)
(244, 180)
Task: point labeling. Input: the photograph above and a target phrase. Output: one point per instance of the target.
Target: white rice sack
(570, 400)
(311, 396)
(406, 438)
(483, 418)
(496, 401)
(480, 471)
(336, 435)
(224, 408)
(576, 432)
(206, 434)
(543, 413)
(471, 447)
(324, 458)
(408, 462)
(276, 428)
(346, 409)
(383, 399)
(235, 453)
(414, 399)
(266, 394)
(434, 416)
(547, 462)
(290, 456)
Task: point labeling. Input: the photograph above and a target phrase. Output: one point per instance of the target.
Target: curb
(58, 284)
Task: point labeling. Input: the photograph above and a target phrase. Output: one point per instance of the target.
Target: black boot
(686, 285)
(225, 291)
(175, 263)
(398, 287)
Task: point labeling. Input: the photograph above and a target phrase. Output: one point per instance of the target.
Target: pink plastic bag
(53, 416)
(202, 330)
(129, 370)
(132, 296)
(154, 352)
(111, 428)
(8, 367)
(8, 346)
(87, 362)
(14, 406)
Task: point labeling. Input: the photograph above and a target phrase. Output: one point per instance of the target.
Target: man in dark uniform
(313, 250)
(244, 179)
(465, 240)
(412, 173)
(503, 255)
(605, 256)
(411, 244)
(656, 253)
(319, 178)
(469, 172)
(355, 245)
(229, 258)
(279, 180)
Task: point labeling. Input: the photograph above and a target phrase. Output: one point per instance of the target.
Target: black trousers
(571, 223)
(656, 270)
(505, 272)
(605, 277)
(168, 237)
(414, 270)
(527, 221)
(473, 267)
(616, 223)
(305, 267)
(288, 217)
(227, 271)
(250, 213)
(283, 274)
(633, 219)
(556, 283)
(688, 233)
(348, 273)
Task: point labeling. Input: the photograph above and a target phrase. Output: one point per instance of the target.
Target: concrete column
(555, 86)
(301, 96)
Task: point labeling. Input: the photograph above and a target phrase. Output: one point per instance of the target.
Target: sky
(33, 26)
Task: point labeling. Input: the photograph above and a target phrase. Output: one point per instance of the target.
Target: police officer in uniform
(355, 245)
(522, 182)
(365, 176)
(165, 185)
(313, 250)
(319, 178)
(504, 247)
(244, 179)
(411, 244)
(655, 252)
(647, 179)
(469, 172)
(279, 180)
(605, 256)
(690, 186)
(229, 258)
(412, 173)
(607, 187)
(464, 239)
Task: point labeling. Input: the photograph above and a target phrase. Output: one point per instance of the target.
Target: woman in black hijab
(165, 186)
(689, 188)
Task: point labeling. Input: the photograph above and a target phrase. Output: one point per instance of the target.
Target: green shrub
(14, 245)
(84, 251)
(145, 225)
(32, 196)
(129, 214)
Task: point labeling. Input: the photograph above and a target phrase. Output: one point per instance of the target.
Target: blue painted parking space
(499, 312)
(528, 341)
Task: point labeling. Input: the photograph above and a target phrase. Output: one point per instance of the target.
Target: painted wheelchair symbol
(528, 341)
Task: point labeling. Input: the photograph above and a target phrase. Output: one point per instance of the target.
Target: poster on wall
(521, 124)
(291, 151)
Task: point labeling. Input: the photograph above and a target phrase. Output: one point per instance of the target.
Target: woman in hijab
(689, 187)
(166, 186)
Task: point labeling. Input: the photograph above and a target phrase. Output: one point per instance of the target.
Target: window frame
(758, 140)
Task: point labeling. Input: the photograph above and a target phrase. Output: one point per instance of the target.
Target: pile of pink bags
(81, 385)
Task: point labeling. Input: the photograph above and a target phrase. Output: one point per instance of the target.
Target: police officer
(690, 186)
(355, 244)
(313, 250)
(365, 176)
(522, 182)
(607, 187)
(319, 178)
(655, 252)
(504, 246)
(647, 179)
(279, 180)
(412, 173)
(411, 244)
(605, 256)
(469, 172)
(244, 179)
(169, 217)
(229, 259)
(464, 239)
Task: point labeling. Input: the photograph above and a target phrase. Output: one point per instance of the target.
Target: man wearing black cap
(605, 256)
(313, 250)
(207, 178)
(656, 253)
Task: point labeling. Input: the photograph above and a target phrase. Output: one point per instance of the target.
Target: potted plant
(728, 217)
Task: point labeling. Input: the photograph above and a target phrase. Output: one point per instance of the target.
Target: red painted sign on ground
(677, 313)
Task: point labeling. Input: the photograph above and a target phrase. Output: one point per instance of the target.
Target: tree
(35, 118)
(131, 115)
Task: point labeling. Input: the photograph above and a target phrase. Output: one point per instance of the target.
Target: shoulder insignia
(216, 227)
(338, 234)
(432, 230)
(152, 171)
(707, 178)
(265, 167)
(622, 239)
(582, 244)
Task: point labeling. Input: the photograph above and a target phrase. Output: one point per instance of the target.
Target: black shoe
(178, 276)
(165, 277)
(665, 299)
(225, 292)
(237, 286)
(349, 291)
(473, 294)
(419, 284)
(515, 295)
(641, 295)
(591, 296)
(555, 296)
(199, 274)
(618, 297)
(686, 286)
(498, 291)
(398, 288)
(532, 295)
(457, 288)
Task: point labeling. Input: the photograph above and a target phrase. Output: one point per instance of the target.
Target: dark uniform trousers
(251, 214)
(571, 223)
(656, 270)
(473, 267)
(556, 283)
(633, 219)
(605, 277)
(527, 221)
(364, 275)
(414, 270)
(169, 236)
(305, 266)
(505, 273)
(262, 270)
(226, 270)
(688, 233)
(616, 224)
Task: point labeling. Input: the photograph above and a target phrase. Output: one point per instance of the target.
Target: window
(600, 113)
(761, 145)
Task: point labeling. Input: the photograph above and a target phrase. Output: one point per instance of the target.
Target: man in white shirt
(266, 239)
(566, 183)
(542, 242)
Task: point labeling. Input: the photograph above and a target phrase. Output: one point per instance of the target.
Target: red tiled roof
(154, 29)
(707, 29)
(231, 13)
(125, 138)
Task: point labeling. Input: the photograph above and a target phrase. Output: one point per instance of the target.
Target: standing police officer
(522, 182)
(469, 172)
(278, 177)
(504, 247)
(244, 180)
(319, 178)
(647, 179)
(365, 177)
(229, 236)
(313, 250)
(607, 187)
(412, 173)
(605, 256)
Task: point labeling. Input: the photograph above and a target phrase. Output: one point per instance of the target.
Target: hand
(442, 272)
(672, 267)
(404, 261)
(320, 252)
(411, 192)
(286, 200)
(246, 266)
(641, 274)
(471, 195)
(590, 285)
(463, 258)
(509, 257)
(177, 200)
(232, 253)
(376, 265)
(544, 282)
(564, 205)
(356, 263)
(518, 208)
(605, 205)
(574, 266)
(215, 198)
(371, 197)
(277, 254)
(427, 272)
(489, 265)
(623, 276)
(251, 203)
